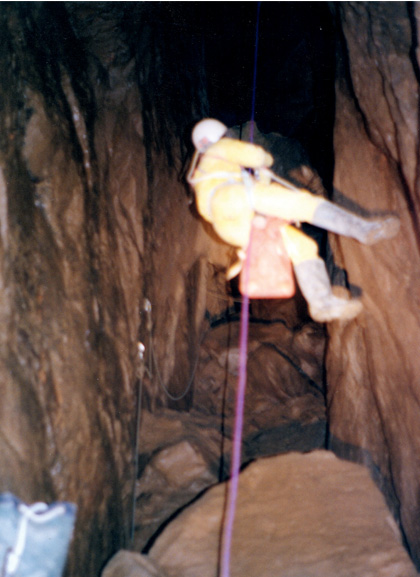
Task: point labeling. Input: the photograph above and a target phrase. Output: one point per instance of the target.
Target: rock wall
(87, 231)
(97, 100)
(373, 364)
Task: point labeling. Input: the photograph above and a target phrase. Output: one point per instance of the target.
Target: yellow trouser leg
(232, 214)
(276, 200)
(299, 246)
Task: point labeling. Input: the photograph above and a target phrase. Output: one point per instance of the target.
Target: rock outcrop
(373, 365)
(297, 515)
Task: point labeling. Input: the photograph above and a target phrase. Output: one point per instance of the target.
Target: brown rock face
(83, 231)
(97, 104)
(373, 365)
(297, 515)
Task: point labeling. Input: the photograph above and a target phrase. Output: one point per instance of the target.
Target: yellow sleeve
(245, 154)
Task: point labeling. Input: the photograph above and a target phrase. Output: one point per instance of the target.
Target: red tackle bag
(267, 265)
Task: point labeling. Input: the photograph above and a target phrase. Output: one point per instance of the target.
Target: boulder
(297, 514)
(130, 564)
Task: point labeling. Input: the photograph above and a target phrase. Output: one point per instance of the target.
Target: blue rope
(254, 81)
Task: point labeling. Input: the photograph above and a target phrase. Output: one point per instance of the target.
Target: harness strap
(212, 176)
(283, 181)
(220, 174)
(247, 181)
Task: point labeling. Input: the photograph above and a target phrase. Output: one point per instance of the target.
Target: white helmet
(207, 132)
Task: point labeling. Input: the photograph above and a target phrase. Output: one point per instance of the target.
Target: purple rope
(241, 388)
(237, 434)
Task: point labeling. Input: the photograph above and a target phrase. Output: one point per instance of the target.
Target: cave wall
(93, 207)
(97, 108)
(373, 364)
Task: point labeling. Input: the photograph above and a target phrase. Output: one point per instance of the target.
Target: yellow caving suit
(228, 197)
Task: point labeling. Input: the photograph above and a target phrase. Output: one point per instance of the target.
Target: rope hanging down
(240, 393)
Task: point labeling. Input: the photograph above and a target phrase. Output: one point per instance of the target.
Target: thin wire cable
(192, 375)
(153, 364)
(241, 388)
(140, 376)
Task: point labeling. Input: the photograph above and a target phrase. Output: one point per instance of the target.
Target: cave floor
(300, 510)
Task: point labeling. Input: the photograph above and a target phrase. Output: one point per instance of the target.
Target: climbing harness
(249, 186)
(226, 179)
(282, 181)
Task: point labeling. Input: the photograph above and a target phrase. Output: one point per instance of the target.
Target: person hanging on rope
(233, 183)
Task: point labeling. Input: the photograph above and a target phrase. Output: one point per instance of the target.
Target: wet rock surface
(297, 514)
(373, 365)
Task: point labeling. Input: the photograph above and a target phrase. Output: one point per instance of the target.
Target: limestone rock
(173, 478)
(284, 376)
(297, 514)
(373, 363)
(129, 564)
(182, 454)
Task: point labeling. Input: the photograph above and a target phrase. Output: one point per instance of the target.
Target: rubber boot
(340, 221)
(324, 306)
